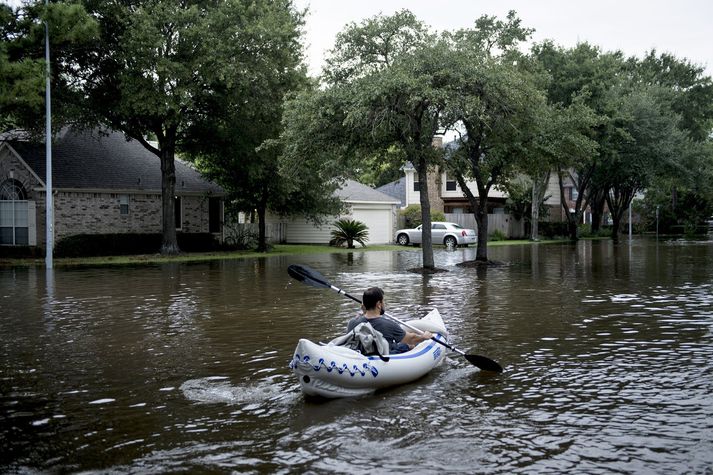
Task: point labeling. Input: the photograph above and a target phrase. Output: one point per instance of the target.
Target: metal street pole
(49, 203)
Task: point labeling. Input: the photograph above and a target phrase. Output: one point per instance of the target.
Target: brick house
(103, 183)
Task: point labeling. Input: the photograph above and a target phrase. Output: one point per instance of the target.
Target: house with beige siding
(102, 183)
(378, 211)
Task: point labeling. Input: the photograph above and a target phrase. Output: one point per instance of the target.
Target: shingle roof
(355, 191)
(395, 189)
(106, 160)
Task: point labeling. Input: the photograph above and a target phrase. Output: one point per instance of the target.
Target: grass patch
(277, 250)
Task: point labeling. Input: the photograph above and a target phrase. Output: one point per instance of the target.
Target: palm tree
(349, 230)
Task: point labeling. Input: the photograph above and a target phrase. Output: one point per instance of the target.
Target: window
(416, 186)
(123, 204)
(12, 189)
(178, 212)
(450, 184)
(13, 214)
(13, 223)
(574, 193)
(438, 226)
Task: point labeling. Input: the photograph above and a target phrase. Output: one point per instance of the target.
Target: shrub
(241, 237)
(348, 231)
(552, 230)
(92, 245)
(20, 252)
(412, 215)
(497, 235)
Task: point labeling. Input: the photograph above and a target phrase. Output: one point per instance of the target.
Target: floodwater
(608, 356)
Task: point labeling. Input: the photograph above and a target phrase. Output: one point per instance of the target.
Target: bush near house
(497, 235)
(21, 252)
(348, 231)
(552, 230)
(92, 245)
(412, 216)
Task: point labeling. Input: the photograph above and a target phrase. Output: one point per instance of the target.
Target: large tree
(497, 107)
(22, 56)
(160, 68)
(582, 75)
(382, 97)
(237, 148)
(683, 192)
(652, 144)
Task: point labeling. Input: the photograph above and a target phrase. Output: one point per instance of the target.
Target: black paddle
(313, 278)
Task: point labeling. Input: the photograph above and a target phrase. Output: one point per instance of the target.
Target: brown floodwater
(607, 349)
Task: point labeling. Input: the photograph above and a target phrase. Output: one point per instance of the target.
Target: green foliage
(90, 245)
(382, 97)
(22, 65)
(497, 235)
(412, 216)
(585, 231)
(349, 231)
(552, 230)
(240, 236)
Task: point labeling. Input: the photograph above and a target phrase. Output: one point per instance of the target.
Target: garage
(373, 208)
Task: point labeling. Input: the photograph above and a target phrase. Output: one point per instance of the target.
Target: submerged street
(607, 351)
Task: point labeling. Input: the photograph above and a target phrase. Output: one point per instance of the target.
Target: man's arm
(413, 339)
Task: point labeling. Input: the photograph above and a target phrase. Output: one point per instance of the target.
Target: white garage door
(378, 221)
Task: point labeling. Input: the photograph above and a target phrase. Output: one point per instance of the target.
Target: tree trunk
(426, 241)
(571, 217)
(169, 245)
(616, 220)
(480, 213)
(539, 188)
(481, 218)
(534, 215)
(262, 231)
(598, 200)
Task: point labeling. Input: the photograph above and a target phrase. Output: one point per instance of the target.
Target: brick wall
(100, 213)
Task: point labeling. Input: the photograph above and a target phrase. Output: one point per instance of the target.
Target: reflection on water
(607, 352)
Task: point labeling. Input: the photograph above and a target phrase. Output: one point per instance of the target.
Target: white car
(448, 234)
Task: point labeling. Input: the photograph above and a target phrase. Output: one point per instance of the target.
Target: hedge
(92, 245)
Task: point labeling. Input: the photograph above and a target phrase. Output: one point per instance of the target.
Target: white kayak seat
(365, 339)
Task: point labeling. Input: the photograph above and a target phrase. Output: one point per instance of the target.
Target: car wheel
(450, 241)
(402, 239)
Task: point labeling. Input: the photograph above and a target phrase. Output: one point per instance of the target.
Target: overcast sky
(681, 27)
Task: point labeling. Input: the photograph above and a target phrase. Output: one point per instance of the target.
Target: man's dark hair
(371, 297)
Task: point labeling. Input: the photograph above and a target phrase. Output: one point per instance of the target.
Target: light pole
(49, 202)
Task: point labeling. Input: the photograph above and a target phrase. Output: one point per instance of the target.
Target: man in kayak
(399, 340)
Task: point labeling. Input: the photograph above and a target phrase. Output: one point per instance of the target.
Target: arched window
(13, 214)
(12, 189)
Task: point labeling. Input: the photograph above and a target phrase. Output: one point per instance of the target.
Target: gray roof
(395, 189)
(355, 191)
(84, 159)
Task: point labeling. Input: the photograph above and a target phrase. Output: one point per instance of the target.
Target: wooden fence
(511, 227)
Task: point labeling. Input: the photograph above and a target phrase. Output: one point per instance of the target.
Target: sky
(682, 27)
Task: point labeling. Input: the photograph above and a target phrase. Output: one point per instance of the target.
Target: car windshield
(456, 226)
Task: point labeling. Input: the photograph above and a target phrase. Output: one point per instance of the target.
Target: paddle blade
(486, 364)
(308, 276)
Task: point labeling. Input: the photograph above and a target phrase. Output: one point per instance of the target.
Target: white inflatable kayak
(336, 371)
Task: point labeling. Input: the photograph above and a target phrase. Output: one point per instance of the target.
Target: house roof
(353, 191)
(395, 189)
(83, 159)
